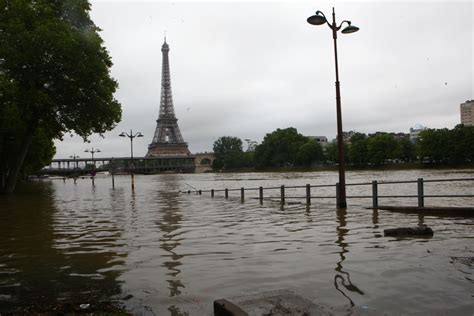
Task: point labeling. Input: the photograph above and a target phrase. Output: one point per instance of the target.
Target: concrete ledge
(423, 231)
(223, 307)
(282, 302)
(430, 210)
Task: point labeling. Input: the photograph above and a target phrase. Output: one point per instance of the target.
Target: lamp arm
(327, 22)
(319, 12)
(340, 25)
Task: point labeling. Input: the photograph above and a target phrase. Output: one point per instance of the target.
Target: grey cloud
(245, 69)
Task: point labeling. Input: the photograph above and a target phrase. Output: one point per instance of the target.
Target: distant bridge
(200, 162)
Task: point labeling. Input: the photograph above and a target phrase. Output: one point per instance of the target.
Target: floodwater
(162, 252)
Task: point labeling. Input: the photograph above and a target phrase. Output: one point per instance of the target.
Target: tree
(309, 152)
(454, 146)
(279, 148)
(227, 152)
(434, 145)
(331, 152)
(55, 70)
(357, 151)
(462, 149)
(406, 150)
(382, 147)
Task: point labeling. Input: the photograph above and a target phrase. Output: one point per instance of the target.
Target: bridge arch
(203, 161)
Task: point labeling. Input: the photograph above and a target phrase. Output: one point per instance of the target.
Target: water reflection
(375, 217)
(48, 257)
(342, 278)
(421, 220)
(175, 311)
(171, 238)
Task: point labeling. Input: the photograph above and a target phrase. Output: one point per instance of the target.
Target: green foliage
(358, 152)
(247, 159)
(454, 146)
(406, 150)
(54, 79)
(381, 148)
(52, 53)
(433, 145)
(331, 153)
(309, 152)
(228, 153)
(287, 148)
(41, 152)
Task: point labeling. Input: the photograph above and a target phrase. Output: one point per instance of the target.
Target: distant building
(401, 136)
(346, 136)
(322, 140)
(415, 131)
(467, 113)
(397, 136)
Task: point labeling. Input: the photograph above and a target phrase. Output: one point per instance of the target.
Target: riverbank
(387, 167)
(68, 308)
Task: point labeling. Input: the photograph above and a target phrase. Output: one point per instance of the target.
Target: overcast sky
(247, 68)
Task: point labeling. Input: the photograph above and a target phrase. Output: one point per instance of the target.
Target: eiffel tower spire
(167, 140)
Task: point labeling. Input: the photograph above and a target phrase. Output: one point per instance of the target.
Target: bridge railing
(122, 164)
(308, 193)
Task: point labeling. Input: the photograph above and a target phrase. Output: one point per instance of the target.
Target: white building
(322, 140)
(415, 131)
(467, 113)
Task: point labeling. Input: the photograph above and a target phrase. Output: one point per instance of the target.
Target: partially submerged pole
(308, 194)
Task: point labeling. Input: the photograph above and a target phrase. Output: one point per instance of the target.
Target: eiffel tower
(167, 140)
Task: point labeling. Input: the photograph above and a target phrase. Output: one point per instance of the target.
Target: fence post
(282, 194)
(242, 194)
(226, 193)
(111, 170)
(375, 195)
(212, 193)
(200, 192)
(308, 194)
(337, 194)
(421, 194)
(260, 194)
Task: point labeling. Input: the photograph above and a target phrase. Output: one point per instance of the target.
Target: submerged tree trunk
(12, 177)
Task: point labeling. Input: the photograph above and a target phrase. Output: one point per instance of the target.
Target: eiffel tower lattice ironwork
(167, 140)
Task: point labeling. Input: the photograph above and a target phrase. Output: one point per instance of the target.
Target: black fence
(310, 195)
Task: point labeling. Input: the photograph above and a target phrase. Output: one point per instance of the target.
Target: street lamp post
(318, 19)
(74, 157)
(131, 136)
(92, 151)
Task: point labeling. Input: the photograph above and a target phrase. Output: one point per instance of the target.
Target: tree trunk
(15, 170)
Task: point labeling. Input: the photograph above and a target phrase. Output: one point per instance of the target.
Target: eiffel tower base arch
(171, 149)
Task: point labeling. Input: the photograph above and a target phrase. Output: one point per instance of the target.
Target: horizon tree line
(285, 148)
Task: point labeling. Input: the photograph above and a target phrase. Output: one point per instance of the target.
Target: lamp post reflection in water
(342, 277)
(170, 225)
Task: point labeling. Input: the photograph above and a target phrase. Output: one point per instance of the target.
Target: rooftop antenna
(165, 36)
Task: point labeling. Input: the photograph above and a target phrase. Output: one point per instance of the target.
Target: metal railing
(375, 196)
